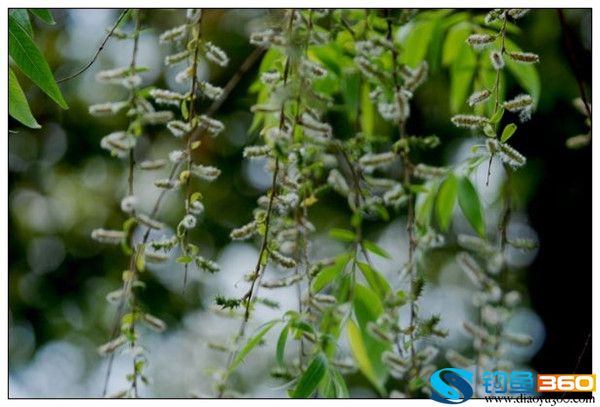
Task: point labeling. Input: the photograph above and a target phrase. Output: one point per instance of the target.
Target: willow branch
(98, 51)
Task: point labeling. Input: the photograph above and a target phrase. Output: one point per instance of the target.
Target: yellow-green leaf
(462, 72)
(469, 202)
(445, 201)
(508, 132)
(342, 235)
(251, 344)
(17, 103)
(361, 354)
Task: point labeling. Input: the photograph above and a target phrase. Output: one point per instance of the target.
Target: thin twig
(496, 91)
(192, 111)
(410, 222)
(260, 267)
(246, 65)
(580, 357)
(573, 60)
(132, 268)
(89, 64)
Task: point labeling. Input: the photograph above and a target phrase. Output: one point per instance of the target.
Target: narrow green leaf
(368, 308)
(455, 39)
(302, 326)
(462, 72)
(375, 249)
(22, 18)
(17, 103)
(425, 202)
(446, 198)
(489, 131)
(326, 275)
(350, 89)
(184, 259)
(497, 116)
(43, 14)
(417, 42)
(251, 344)
(341, 390)
(471, 205)
(311, 378)
(360, 351)
(376, 281)
(367, 111)
(367, 305)
(281, 342)
(508, 132)
(28, 58)
(342, 235)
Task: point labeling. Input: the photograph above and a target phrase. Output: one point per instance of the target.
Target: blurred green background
(62, 186)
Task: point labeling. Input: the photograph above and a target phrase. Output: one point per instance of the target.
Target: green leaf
(367, 111)
(445, 201)
(350, 89)
(17, 103)
(497, 116)
(43, 14)
(311, 378)
(341, 390)
(22, 18)
(140, 258)
(367, 305)
(281, 342)
(375, 249)
(425, 203)
(455, 39)
(184, 259)
(334, 387)
(360, 351)
(508, 132)
(417, 42)
(28, 58)
(462, 72)
(471, 205)
(329, 273)
(342, 235)
(489, 131)
(367, 308)
(251, 344)
(376, 281)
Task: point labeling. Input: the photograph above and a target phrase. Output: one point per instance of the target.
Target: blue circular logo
(451, 386)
